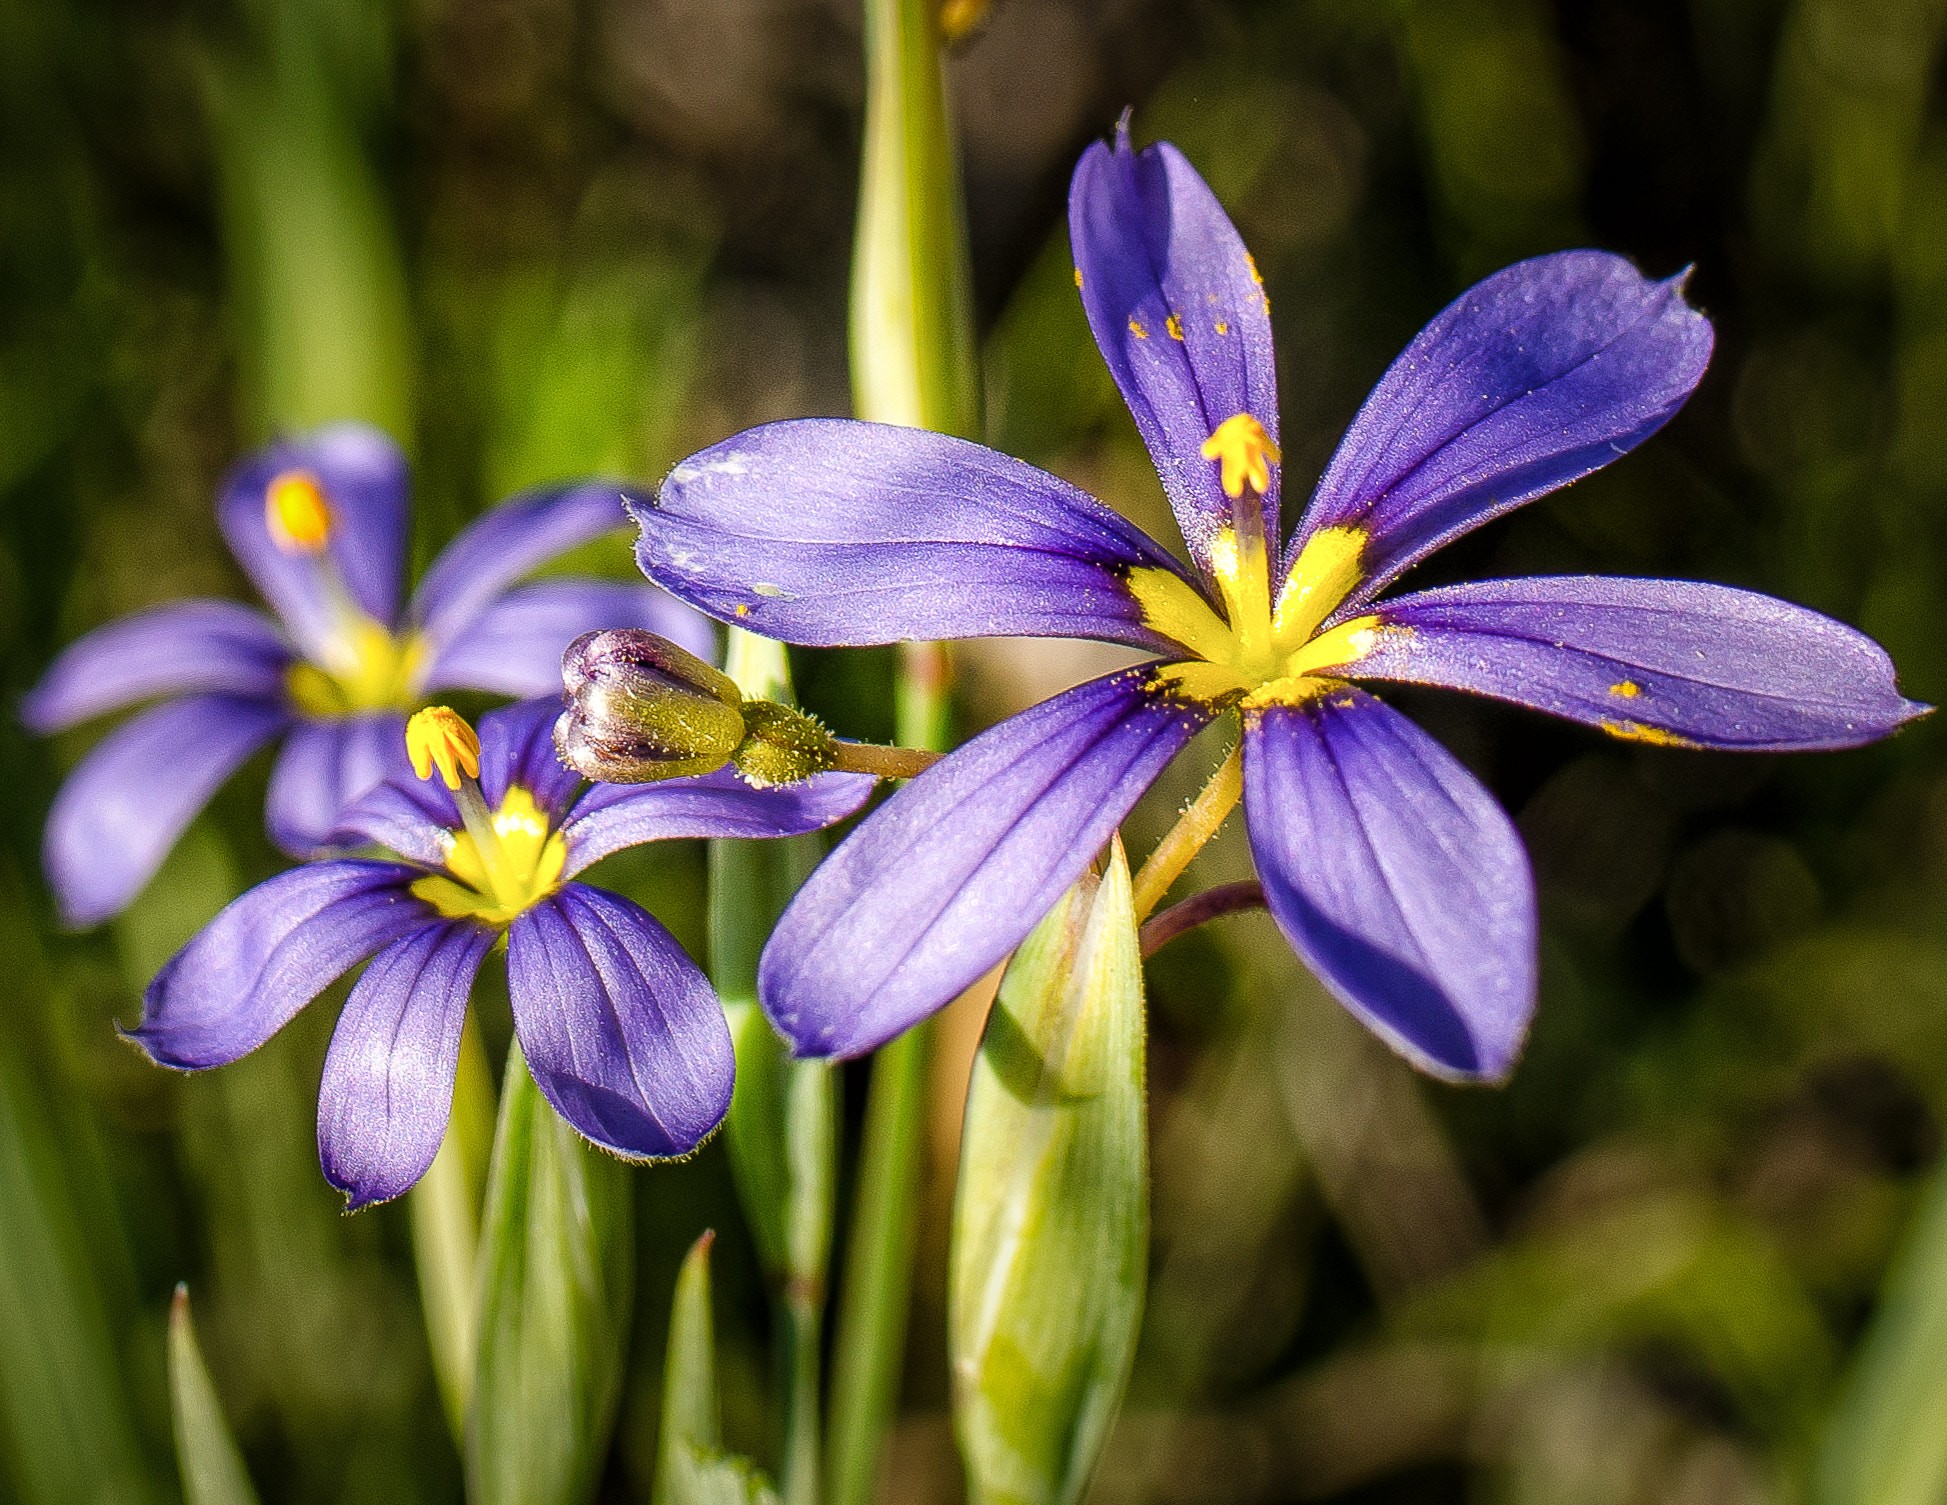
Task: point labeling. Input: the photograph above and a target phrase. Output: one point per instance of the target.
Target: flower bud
(639, 709)
(1050, 1236)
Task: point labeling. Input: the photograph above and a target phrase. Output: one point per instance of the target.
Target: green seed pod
(1051, 1217)
(639, 709)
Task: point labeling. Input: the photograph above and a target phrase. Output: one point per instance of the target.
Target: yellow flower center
(296, 512)
(379, 672)
(493, 887)
(1264, 651)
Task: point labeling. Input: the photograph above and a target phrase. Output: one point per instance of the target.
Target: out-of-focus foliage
(609, 231)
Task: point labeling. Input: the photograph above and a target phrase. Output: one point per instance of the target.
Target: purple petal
(1544, 372)
(514, 647)
(388, 1077)
(610, 817)
(826, 531)
(623, 1033)
(517, 747)
(324, 769)
(366, 486)
(1397, 877)
(211, 646)
(1179, 314)
(414, 817)
(502, 545)
(125, 804)
(947, 876)
(243, 976)
(1661, 660)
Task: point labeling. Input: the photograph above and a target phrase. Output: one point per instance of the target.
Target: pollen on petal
(1628, 689)
(1078, 276)
(439, 737)
(296, 512)
(1175, 326)
(1246, 453)
(1137, 330)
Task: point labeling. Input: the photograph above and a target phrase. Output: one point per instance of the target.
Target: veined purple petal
(212, 646)
(517, 747)
(623, 1033)
(947, 876)
(827, 531)
(325, 768)
(388, 1077)
(414, 817)
(1181, 318)
(514, 647)
(366, 485)
(125, 804)
(502, 545)
(1396, 877)
(243, 976)
(1542, 373)
(610, 817)
(1659, 660)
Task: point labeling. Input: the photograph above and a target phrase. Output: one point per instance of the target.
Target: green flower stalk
(914, 362)
(1051, 1217)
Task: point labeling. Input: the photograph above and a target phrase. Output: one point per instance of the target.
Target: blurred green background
(1690, 1255)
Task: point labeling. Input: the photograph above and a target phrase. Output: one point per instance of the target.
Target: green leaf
(691, 1469)
(1886, 1443)
(212, 1469)
(555, 1268)
(445, 1207)
(1051, 1218)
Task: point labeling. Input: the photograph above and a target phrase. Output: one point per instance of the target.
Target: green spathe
(552, 1296)
(1051, 1221)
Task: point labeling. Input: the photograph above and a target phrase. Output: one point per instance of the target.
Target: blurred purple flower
(622, 1032)
(319, 524)
(1389, 868)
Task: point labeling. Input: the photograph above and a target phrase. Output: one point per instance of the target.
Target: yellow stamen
(1326, 570)
(524, 867)
(1246, 453)
(296, 513)
(440, 736)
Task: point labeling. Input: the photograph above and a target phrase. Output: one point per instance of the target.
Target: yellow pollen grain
(439, 737)
(1175, 327)
(1628, 689)
(1222, 327)
(296, 513)
(1655, 736)
(1251, 262)
(1078, 276)
(1246, 453)
(1137, 330)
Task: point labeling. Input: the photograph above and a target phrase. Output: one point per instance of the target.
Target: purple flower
(319, 524)
(1389, 868)
(622, 1032)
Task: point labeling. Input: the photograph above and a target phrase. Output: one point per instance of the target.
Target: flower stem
(1200, 909)
(1186, 838)
(886, 762)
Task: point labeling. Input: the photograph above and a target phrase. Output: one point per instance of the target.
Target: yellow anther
(439, 736)
(296, 512)
(1246, 452)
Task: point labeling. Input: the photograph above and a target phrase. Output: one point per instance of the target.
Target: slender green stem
(1186, 838)
(886, 762)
